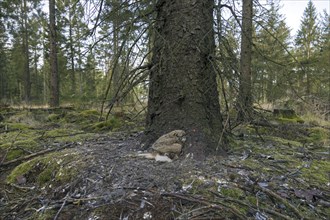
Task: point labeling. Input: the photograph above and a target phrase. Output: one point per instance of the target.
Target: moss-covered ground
(74, 164)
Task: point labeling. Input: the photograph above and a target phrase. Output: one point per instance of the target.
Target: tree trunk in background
(72, 55)
(183, 90)
(115, 83)
(54, 77)
(245, 87)
(27, 80)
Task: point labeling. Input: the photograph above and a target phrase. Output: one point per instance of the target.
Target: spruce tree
(306, 42)
(271, 60)
(322, 83)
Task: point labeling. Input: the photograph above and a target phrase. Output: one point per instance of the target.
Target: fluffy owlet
(171, 142)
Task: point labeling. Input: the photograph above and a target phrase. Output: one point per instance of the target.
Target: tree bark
(54, 77)
(183, 90)
(245, 86)
(72, 54)
(27, 80)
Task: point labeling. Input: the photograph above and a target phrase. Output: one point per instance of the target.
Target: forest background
(103, 55)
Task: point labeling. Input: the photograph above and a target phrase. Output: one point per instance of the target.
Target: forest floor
(65, 164)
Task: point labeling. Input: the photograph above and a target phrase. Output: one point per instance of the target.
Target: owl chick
(168, 144)
(171, 142)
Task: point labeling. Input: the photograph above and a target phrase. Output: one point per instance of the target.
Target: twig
(294, 209)
(60, 210)
(24, 188)
(185, 215)
(36, 154)
(211, 205)
(250, 206)
(276, 213)
(9, 148)
(66, 135)
(22, 149)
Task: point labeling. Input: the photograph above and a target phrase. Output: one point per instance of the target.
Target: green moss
(88, 113)
(21, 169)
(13, 154)
(65, 174)
(5, 145)
(18, 136)
(46, 174)
(252, 200)
(54, 117)
(138, 128)
(75, 138)
(15, 149)
(58, 132)
(23, 118)
(58, 167)
(283, 141)
(67, 135)
(318, 172)
(44, 215)
(318, 134)
(314, 120)
(233, 192)
(111, 124)
(84, 117)
(17, 126)
(73, 117)
(251, 163)
(290, 120)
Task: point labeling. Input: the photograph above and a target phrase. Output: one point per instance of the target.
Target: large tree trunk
(245, 87)
(54, 79)
(183, 91)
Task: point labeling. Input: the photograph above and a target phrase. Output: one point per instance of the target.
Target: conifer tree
(54, 76)
(271, 62)
(245, 100)
(323, 56)
(306, 41)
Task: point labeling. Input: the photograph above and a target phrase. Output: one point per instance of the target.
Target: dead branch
(11, 146)
(273, 212)
(65, 135)
(221, 206)
(250, 206)
(36, 154)
(284, 201)
(62, 206)
(23, 188)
